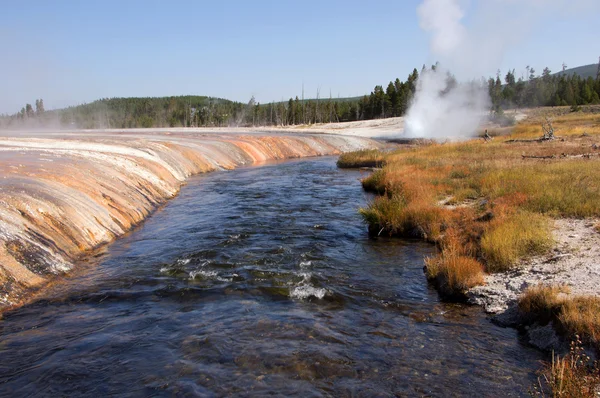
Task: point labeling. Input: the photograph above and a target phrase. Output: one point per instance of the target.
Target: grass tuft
(541, 303)
(454, 274)
(516, 236)
(572, 315)
(581, 316)
(375, 183)
(363, 158)
(395, 216)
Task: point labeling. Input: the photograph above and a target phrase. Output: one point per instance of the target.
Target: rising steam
(442, 108)
(470, 52)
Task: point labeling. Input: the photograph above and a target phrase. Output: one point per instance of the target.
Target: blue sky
(69, 52)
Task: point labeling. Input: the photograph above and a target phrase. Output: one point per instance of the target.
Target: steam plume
(441, 108)
(472, 52)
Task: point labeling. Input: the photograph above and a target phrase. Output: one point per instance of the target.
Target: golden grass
(571, 124)
(569, 188)
(516, 236)
(502, 203)
(541, 303)
(363, 158)
(454, 274)
(581, 316)
(573, 316)
(394, 216)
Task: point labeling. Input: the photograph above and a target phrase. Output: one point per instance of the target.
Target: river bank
(572, 265)
(507, 215)
(64, 194)
(573, 261)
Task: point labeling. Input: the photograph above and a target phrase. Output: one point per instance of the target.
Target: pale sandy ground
(574, 261)
(377, 128)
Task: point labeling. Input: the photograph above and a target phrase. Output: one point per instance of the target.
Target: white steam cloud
(471, 52)
(440, 108)
(442, 18)
(442, 111)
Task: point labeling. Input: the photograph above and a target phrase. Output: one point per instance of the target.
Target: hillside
(583, 71)
(575, 86)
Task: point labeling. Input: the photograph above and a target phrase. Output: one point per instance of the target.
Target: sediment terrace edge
(63, 196)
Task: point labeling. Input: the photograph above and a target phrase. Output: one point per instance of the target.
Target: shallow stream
(259, 281)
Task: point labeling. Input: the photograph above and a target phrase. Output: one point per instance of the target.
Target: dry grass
(569, 188)
(581, 316)
(509, 240)
(541, 303)
(394, 216)
(576, 317)
(572, 376)
(571, 124)
(454, 274)
(364, 158)
(502, 203)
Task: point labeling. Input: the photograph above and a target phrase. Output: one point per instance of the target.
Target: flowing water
(259, 281)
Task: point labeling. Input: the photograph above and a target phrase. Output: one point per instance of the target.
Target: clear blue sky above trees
(68, 52)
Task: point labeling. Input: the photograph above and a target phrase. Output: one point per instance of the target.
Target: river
(258, 281)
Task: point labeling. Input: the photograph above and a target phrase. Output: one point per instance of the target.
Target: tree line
(182, 111)
(201, 111)
(545, 90)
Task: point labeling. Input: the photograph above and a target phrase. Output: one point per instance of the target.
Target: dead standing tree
(548, 130)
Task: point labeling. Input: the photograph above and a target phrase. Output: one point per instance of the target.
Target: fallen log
(542, 139)
(562, 156)
(538, 157)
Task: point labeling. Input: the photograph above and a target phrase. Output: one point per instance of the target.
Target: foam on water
(304, 289)
(307, 291)
(204, 274)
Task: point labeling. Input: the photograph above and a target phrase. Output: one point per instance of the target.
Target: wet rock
(544, 337)
(509, 317)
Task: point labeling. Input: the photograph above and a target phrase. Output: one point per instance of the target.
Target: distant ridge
(583, 71)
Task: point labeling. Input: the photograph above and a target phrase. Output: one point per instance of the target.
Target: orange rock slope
(63, 195)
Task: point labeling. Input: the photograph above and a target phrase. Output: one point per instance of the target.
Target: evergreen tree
(39, 106)
(29, 111)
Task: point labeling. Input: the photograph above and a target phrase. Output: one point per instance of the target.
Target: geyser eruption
(439, 110)
(443, 108)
